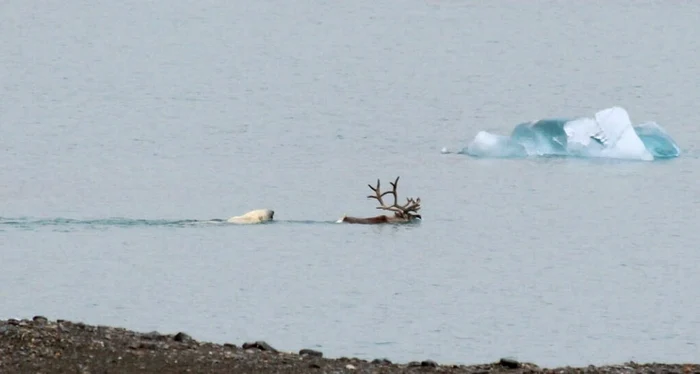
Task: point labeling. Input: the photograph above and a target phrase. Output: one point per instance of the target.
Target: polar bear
(254, 216)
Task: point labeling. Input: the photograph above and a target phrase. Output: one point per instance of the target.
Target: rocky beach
(39, 345)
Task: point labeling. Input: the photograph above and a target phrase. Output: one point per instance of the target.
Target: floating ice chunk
(607, 134)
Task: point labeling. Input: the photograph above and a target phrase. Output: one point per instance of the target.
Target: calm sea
(123, 122)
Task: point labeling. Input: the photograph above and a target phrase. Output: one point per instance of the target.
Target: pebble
(261, 345)
(154, 335)
(350, 367)
(8, 330)
(310, 352)
(148, 345)
(381, 361)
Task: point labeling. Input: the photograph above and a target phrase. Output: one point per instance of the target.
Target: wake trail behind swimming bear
(29, 223)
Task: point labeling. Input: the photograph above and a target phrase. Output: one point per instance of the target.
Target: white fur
(254, 216)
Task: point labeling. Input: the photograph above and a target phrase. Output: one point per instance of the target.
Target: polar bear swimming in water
(254, 216)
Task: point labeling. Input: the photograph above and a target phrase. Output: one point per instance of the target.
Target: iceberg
(607, 134)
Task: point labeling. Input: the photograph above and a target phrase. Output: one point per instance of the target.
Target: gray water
(124, 122)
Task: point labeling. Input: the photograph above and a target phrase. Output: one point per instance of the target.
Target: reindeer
(402, 213)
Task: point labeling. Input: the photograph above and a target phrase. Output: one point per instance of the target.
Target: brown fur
(376, 220)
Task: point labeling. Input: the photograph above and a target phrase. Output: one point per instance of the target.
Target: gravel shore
(38, 345)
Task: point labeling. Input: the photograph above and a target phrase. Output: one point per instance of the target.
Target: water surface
(123, 122)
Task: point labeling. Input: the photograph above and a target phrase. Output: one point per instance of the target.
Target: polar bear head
(254, 216)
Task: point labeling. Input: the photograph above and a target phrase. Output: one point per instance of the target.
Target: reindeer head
(407, 212)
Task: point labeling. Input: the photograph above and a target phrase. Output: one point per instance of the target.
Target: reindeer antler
(378, 195)
(410, 206)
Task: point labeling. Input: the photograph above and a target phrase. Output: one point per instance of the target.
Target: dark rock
(413, 364)
(154, 335)
(429, 363)
(381, 361)
(148, 345)
(40, 320)
(182, 337)
(8, 330)
(509, 363)
(314, 365)
(229, 345)
(310, 352)
(261, 345)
